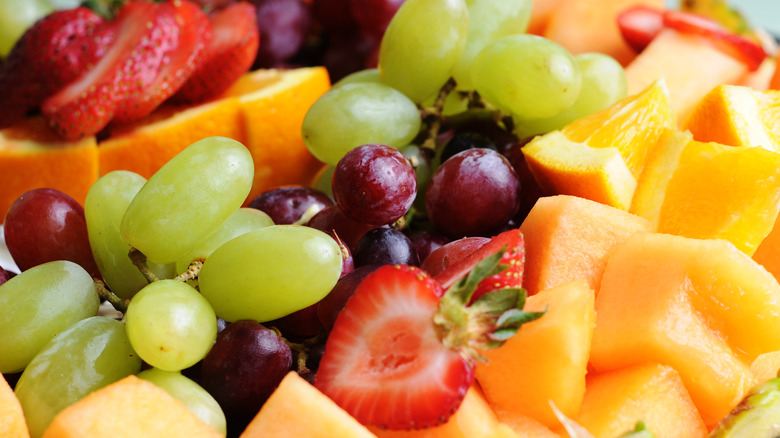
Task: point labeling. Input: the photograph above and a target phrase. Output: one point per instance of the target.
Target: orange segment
(737, 116)
(273, 117)
(32, 156)
(711, 191)
(599, 157)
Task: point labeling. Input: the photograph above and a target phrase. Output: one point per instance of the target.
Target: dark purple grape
(347, 54)
(531, 191)
(374, 184)
(44, 225)
(465, 140)
(334, 16)
(298, 325)
(4, 276)
(443, 257)
(385, 246)
(283, 26)
(287, 204)
(329, 307)
(373, 16)
(334, 222)
(425, 242)
(472, 194)
(243, 368)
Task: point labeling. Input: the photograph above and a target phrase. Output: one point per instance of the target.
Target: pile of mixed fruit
(504, 218)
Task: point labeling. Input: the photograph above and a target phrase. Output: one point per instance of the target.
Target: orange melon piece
(525, 426)
(12, 423)
(541, 11)
(710, 191)
(546, 361)
(569, 238)
(679, 59)
(599, 157)
(297, 409)
(737, 116)
(591, 26)
(33, 156)
(700, 306)
(768, 251)
(473, 419)
(130, 407)
(766, 366)
(655, 394)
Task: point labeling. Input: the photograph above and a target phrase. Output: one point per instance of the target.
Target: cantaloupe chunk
(525, 426)
(700, 306)
(768, 251)
(12, 424)
(546, 360)
(655, 394)
(569, 238)
(132, 408)
(473, 419)
(680, 59)
(766, 366)
(297, 409)
(591, 26)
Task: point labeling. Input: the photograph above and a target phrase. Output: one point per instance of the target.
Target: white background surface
(761, 13)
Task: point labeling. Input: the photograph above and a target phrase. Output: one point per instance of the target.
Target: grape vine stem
(192, 272)
(106, 295)
(139, 260)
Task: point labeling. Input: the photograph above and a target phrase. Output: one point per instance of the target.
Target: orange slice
(32, 156)
(600, 156)
(710, 191)
(737, 116)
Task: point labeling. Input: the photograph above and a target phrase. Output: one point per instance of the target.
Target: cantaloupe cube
(655, 394)
(679, 58)
(131, 408)
(546, 360)
(473, 419)
(700, 306)
(569, 238)
(12, 424)
(768, 251)
(298, 409)
(591, 26)
(525, 426)
(766, 366)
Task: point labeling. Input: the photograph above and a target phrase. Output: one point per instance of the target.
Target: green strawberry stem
(489, 321)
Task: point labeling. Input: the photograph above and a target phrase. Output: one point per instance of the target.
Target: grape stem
(433, 118)
(192, 271)
(106, 295)
(301, 348)
(139, 260)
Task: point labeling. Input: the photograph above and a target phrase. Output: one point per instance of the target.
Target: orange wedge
(32, 156)
(710, 191)
(737, 116)
(600, 156)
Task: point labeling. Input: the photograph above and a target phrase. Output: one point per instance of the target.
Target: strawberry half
(513, 259)
(639, 25)
(229, 54)
(48, 56)
(400, 357)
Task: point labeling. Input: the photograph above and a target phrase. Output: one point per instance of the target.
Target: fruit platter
(389, 218)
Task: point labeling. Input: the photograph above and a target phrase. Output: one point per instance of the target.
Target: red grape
(284, 26)
(374, 184)
(334, 222)
(373, 16)
(287, 204)
(443, 257)
(44, 225)
(474, 193)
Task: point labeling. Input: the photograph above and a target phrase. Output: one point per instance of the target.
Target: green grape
(37, 305)
(269, 273)
(241, 221)
(368, 75)
(89, 355)
(527, 76)
(488, 21)
(16, 16)
(187, 199)
(355, 114)
(197, 399)
(603, 83)
(421, 46)
(170, 325)
(423, 170)
(323, 180)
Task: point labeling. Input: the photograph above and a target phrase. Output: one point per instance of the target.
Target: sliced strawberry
(383, 362)
(140, 39)
(229, 54)
(190, 30)
(400, 357)
(639, 25)
(741, 48)
(48, 56)
(513, 259)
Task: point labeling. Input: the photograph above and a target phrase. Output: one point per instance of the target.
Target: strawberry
(639, 25)
(513, 259)
(401, 354)
(228, 55)
(48, 56)
(191, 30)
